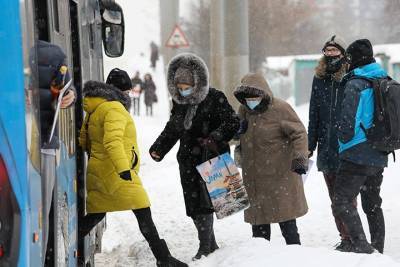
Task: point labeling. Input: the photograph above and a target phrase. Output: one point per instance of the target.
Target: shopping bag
(225, 185)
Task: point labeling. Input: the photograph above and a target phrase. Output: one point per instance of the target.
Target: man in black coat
(204, 122)
(154, 54)
(326, 99)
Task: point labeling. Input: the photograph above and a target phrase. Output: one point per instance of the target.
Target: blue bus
(84, 29)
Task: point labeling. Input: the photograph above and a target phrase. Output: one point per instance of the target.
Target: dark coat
(274, 140)
(150, 96)
(325, 104)
(358, 109)
(137, 81)
(214, 118)
(50, 58)
(154, 52)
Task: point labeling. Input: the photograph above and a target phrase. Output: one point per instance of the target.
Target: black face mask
(334, 63)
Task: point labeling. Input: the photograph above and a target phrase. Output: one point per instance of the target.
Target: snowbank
(258, 252)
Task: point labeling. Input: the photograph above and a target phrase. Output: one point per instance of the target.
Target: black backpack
(384, 135)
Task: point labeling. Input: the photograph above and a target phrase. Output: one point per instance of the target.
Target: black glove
(300, 171)
(157, 159)
(126, 175)
(242, 129)
(300, 165)
(244, 124)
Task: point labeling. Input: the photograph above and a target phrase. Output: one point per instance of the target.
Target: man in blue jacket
(361, 166)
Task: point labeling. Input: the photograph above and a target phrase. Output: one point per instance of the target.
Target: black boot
(204, 226)
(290, 232)
(344, 246)
(376, 224)
(362, 246)
(214, 245)
(163, 256)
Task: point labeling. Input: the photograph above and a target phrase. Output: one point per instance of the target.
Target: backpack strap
(376, 85)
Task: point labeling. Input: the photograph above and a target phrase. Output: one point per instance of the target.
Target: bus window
(56, 20)
(41, 19)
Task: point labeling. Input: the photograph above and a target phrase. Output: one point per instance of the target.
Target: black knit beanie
(360, 53)
(119, 79)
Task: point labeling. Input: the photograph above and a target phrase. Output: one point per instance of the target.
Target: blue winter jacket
(358, 109)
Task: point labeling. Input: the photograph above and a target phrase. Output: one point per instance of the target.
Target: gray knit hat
(183, 76)
(337, 42)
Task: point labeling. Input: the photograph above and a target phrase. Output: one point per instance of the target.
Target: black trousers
(149, 110)
(353, 179)
(143, 216)
(330, 179)
(289, 232)
(136, 105)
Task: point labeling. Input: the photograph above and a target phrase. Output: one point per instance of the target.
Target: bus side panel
(67, 208)
(36, 213)
(12, 115)
(65, 200)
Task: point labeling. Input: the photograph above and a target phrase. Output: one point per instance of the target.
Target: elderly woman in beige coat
(273, 152)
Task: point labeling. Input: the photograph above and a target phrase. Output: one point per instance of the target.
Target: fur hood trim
(106, 91)
(320, 71)
(200, 74)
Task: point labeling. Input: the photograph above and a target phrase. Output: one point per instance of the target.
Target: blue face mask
(252, 104)
(187, 92)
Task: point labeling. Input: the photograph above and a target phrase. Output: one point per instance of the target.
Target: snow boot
(377, 230)
(163, 256)
(204, 226)
(362, 246)
(344, 246)
(378, 246)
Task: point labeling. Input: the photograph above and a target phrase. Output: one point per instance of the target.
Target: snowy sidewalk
(123, 245)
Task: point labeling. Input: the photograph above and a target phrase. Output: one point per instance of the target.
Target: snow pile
(262, 253)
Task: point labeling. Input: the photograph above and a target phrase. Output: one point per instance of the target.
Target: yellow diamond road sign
(177, 38)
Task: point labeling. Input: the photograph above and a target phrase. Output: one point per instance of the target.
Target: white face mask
(253, 103)
(186, 92)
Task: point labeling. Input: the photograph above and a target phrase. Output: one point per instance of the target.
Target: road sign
(177, 38)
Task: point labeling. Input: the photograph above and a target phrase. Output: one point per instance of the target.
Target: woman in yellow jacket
(108, 135)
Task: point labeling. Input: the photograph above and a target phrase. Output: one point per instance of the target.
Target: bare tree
(280, 28)
(197, 28)
(390, 19)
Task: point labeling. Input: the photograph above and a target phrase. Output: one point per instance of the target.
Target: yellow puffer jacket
(108, 134)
